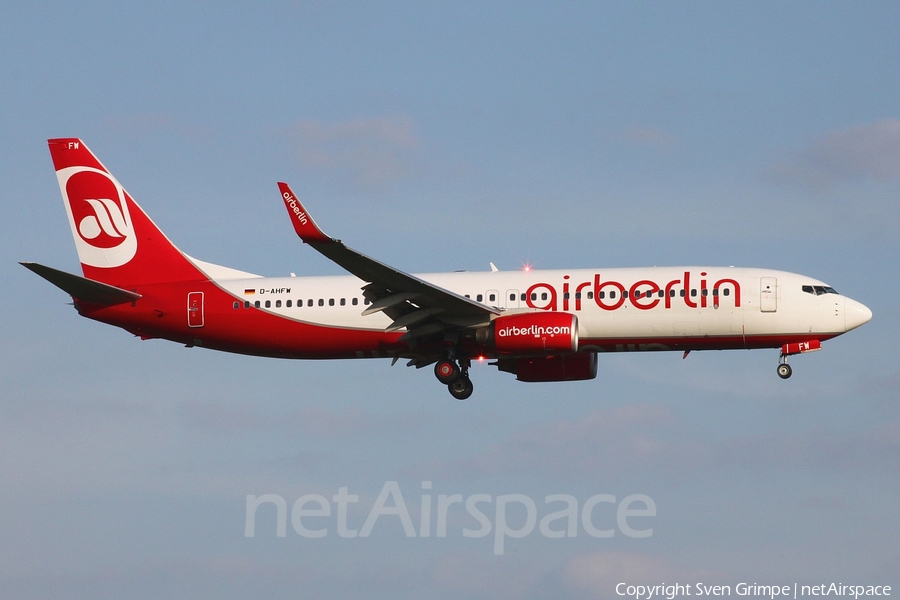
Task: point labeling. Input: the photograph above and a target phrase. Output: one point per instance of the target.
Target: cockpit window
(818, 290)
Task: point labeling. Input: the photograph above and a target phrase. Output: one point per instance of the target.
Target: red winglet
(304, 225)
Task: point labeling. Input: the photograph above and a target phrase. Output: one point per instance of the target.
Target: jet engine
(531, 333)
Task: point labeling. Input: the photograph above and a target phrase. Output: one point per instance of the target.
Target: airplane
(539, 325)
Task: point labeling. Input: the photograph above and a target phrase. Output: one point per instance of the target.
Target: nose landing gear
(784, 369)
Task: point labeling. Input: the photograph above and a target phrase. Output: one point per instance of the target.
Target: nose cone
(855, 314)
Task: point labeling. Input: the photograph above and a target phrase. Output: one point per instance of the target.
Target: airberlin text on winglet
(305, 227)
(295, 207)
(644, 294)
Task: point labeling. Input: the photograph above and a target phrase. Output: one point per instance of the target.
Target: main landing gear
(784, 369)
(455, 376)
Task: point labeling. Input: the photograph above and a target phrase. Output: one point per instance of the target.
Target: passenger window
(268, 304)
(236, 305)
(578, 295)
(478, 297)
(354, 301)
(331, 302)
(705, 292)
(278, 304)
(343, 301)
(321, 302)
(543, 295)
(256, 304)
(726, 292)
(246, 304)
(602, 295)
(289, 303)
(492, 298)
(512, 297)
(591, 295)
(523, 297)
(533, 296)
(309, 302)
(566, 296)
(682, 293)
(366, 302)
(693, 293)
(612, 295)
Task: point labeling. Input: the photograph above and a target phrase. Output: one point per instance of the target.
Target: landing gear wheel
(446, 371)
(461, 388)
(784, 370)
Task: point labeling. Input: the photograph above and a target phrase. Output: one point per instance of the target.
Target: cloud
(604, 443)
(470, 576)
(371, 151)
(308, 420)
(650, 137)
(863, 152)
(596, 575)
(145, 123)
(648, 438)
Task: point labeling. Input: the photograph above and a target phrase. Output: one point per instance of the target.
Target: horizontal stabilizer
(85, 290)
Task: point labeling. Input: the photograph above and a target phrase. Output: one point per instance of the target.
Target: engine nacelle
(562, 367)
(532, 333)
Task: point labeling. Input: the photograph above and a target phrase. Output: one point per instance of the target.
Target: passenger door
(768, 294)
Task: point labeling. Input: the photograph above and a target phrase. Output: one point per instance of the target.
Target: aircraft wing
(422, 307)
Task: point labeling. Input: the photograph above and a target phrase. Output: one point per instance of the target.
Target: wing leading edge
(421, 307)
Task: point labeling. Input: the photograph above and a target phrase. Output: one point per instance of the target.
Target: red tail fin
(117, 242)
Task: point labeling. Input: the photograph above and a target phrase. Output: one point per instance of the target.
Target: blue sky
(442, 137)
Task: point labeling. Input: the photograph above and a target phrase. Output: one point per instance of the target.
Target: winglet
(303, 223)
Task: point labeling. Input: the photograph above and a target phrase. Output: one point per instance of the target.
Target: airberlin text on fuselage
(644, 294)
(533, 330)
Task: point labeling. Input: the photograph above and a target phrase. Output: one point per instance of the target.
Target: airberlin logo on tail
(108, 219)
(98, 215)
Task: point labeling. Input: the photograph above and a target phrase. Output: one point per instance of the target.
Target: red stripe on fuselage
(161, 313)
(724, 342)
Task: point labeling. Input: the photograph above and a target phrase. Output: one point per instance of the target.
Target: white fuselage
(648, 306)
